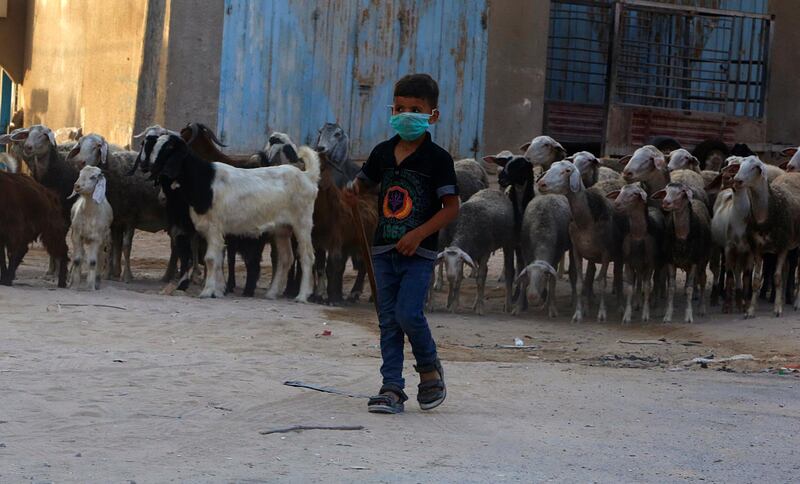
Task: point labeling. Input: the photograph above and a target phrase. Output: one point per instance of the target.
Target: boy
(418, 197)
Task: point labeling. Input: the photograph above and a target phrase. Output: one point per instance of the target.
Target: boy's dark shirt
(410, 193)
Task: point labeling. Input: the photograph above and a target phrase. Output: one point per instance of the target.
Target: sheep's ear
(731, 169)
(497, 160)
(714, 185)
(547, 267)
(467, 259)
(99, 192)
(695, 161)
(525, 147)
(290, 153)
(20, 135)
(624, 160)
(104, 155)
(789, 152)
(74, 151)
(659, 195)
(575, 182)
(689, 193)
(52, 137)
(613, 195)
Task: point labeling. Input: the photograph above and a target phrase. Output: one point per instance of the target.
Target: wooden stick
(366, 254)
(92, 305)
(298, 428)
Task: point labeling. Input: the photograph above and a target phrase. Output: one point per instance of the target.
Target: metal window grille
(692, 60)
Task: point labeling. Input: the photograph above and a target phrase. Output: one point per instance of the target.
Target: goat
(225, 200)
(29, 211)
(203, 143)
(335, 144)
(543, 241)
(688, 244)
(775, 209)
(473, 244)
(279, 150)
(641, 246)
(91, 225)
(596, 230)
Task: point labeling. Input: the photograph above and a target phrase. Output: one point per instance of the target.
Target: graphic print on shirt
(403, 207)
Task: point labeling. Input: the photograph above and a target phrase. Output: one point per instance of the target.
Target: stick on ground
(298, 428)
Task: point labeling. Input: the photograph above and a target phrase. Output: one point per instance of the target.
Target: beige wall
(82, 64)
(515, 72)
(783, 115)
(12, 38)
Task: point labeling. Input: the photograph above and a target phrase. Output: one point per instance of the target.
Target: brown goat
(203, 142)
(334, 234)
(29, 211)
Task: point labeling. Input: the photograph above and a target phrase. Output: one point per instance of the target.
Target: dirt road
(173, 388)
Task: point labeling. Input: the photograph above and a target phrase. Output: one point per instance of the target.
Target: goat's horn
(214, 138)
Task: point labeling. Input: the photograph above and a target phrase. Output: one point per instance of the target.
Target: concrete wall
(515, 72)
(82, 64)
(193, 62)
(12, 39)
(783, 116)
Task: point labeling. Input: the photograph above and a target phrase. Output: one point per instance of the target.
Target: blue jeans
(402, 288)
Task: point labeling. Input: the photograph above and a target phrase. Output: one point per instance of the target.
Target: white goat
(225, 200)
(91, 226)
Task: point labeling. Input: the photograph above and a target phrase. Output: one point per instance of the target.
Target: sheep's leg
(92, 254)
(115, 268)
(796, 304)
(508, 273)
(629, 286)
(589, 279)
(767, 274)
(127, 244)
(439, 280)
(215, 244)
(482, 271)
(573, 276)
(172, 264)
(15, 257)
(716, 275)
(755, 284)
(619, 271)
(701, 284)
(669, 270)
(429, 302)
(689, 290)
(791, 262)
(647, 288)
(306, 254)
(777, 283)
(732, 290)
(577, 316)
(601, 312)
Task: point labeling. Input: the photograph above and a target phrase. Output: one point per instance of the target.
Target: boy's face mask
(410, 126)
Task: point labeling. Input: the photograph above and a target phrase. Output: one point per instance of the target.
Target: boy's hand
(409, 243)
(350, 194)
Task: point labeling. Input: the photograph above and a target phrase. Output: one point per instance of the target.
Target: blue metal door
(292, 65)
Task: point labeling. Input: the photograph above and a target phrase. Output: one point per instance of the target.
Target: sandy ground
(173, 388)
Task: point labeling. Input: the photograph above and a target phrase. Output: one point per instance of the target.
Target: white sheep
(91, 226)
(543, 151)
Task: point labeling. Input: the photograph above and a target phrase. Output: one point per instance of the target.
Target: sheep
(710, 154)
(91, 226)
(203, 143)
(649, 166)
(793, 165)
(225, 200)
(542, 151)
(334, 237)
(592, 171)
(543, 241)
(688, 243)
(596, 230)
(133, 198)
(775, 208)
(473, 243)
(681, 159)
(30, 211)
(641, 246)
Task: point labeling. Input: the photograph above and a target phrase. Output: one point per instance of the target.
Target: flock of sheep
(645, 216)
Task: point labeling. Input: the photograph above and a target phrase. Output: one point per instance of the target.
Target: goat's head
(630, 198)
(280, 150)
(37, 141)
(148, 139)
(642, 163)
(534, 280)
(90, 150)
(751, 172)
(166, 158)
(587, 164)
(562, 177)
(793, 165)
(90, 182)
(543, 151)
(516, 170)
(681, 159)
(675, 197)
(333, 141)
(200, 133)
(454, 259)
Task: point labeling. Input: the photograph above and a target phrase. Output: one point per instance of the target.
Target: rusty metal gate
(292, 65)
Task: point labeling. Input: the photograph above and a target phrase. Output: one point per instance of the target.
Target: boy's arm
(409, 243)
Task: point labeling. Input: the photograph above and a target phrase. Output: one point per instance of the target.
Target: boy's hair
(421, 86)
